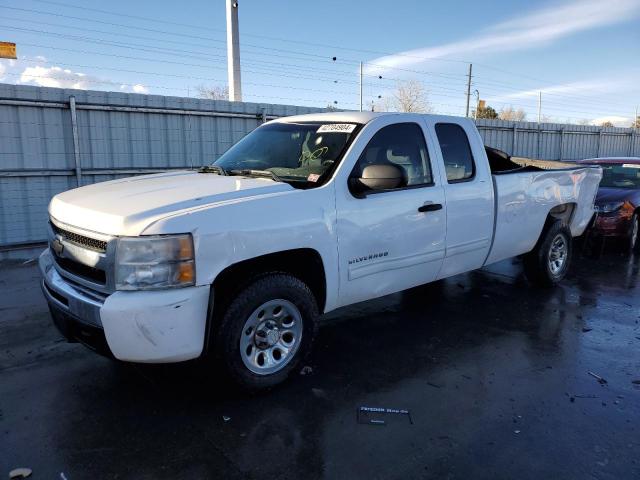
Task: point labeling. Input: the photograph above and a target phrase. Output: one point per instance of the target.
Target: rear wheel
(634, 230)
(549, 261)
(267, 330)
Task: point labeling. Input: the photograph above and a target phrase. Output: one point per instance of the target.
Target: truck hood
(128, 206)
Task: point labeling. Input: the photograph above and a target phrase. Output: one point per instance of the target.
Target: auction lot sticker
(337, 128)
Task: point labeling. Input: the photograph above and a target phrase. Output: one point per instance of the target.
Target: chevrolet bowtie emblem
(57, 246)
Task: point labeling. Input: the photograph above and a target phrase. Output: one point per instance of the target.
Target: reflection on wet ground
(494, 372)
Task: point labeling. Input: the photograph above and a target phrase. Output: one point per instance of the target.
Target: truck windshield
(297, 153)
(626, 175)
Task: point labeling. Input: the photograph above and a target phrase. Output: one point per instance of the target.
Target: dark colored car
(618, 200)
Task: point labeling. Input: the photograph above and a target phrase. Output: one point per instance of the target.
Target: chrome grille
(91, 243)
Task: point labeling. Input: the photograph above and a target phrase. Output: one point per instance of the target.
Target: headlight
(155, 262)
(609, 207)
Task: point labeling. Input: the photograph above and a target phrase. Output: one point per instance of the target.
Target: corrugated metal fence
(557, 141)
(52, 140)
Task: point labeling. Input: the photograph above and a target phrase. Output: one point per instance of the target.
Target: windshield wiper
(256, 173)
(213, 169)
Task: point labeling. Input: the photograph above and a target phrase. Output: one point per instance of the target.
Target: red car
(618, 200)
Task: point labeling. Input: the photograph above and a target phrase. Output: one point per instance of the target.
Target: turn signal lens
(186, 272)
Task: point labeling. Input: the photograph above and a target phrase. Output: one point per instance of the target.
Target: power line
(532, 104)
(334, 92)
(184, 76)
(305, 54)
(535, 89)
(111, 82)
(299, 88)
(277, 67)
(301, 42)
(577, 100)
(184, 53)
(334, 47)
(308, 57)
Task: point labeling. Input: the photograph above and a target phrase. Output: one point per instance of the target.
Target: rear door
(388, 240)
(469, 194)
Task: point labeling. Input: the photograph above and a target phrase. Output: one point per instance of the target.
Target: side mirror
(378, 177)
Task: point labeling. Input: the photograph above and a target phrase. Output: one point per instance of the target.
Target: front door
(391, 240)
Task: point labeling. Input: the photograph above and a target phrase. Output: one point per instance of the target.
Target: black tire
(259, 291)
(537, 264)
(634, 244)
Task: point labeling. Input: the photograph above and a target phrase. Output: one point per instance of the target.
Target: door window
(403, 146)
(456, 152)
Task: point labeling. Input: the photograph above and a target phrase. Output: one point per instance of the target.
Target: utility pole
(469, 88)
(539, 106)
(233, 52)
(360, 86)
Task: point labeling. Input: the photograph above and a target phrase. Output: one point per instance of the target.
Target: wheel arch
(563, 212)
(305, 264)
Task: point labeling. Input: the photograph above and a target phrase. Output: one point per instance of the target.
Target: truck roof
(354, 117)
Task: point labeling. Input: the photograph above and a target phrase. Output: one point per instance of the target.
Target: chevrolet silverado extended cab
(302, 216)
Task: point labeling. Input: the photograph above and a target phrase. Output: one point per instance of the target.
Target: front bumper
(161, 326)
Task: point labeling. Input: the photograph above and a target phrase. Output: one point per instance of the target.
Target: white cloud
(139, 88)
(615, 119)
(592, 87)
(59, 77)
(64, 78)
(538, 28)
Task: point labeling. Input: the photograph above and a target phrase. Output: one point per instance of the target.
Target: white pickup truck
(302, 216)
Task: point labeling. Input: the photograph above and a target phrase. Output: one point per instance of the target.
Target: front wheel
(267, 330)
(549, 261)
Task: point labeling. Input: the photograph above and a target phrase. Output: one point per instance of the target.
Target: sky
(582, 55)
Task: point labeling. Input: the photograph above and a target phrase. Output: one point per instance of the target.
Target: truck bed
(526, 190)
(502, 163)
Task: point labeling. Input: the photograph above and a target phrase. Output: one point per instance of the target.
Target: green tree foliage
(485, 112)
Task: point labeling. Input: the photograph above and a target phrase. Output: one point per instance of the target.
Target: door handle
(430, 207)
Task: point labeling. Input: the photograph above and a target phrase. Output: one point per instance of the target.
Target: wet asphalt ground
(493, 372)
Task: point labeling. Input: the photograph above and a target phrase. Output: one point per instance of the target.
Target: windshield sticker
(337, 128)
(631, 165)
(313, 177)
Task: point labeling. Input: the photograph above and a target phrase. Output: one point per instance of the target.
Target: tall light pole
(468, 89)
(360, 86)
(233, 52)
(477, 94)
(539, 106)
